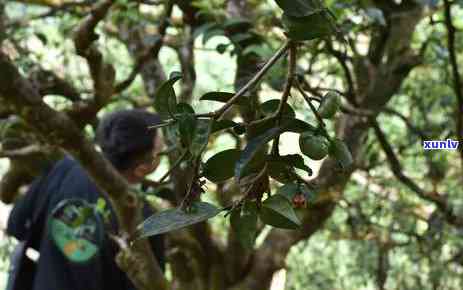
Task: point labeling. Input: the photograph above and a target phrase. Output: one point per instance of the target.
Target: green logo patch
(76, 229)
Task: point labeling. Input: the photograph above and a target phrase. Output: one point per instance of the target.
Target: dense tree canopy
(301, 123)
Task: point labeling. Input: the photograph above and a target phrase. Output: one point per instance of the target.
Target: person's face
(147, 167)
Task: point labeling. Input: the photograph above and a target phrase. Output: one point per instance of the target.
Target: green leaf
(270, 107)
(241, 37)
(289, 190)
(165, 99)
(201, 136)
(174, 219)
(299, 8)
(316, 25)
(224, 97)
(261, 126)
(186, 123)
(187, 129)
(184, 108)
(219, 167)
(295, 160)
(296, 125)
(278, 212)
(222, 125)
(341, 153)
(252, 148)
(210, 33)
(259, 50)
(236, 23)
(244, 223)
(280, 171)
(276, 78)
(204, 28)
(289, 124)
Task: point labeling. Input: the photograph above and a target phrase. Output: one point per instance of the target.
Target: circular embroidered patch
(76, 229)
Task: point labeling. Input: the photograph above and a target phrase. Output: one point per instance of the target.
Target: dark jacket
(66, 180)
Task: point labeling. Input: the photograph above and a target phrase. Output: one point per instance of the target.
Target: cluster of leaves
(253, 166)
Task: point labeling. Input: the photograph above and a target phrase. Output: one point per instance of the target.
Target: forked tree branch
(18, 93)
(151, 53)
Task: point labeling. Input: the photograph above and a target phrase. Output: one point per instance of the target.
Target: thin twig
(151, 53)
(289, 80)
(286, 93)
(312, 107)
(457, 82)
(160, 125)
(220, 112)
(186, 201)
(176, 163)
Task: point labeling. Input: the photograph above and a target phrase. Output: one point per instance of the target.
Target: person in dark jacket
(127, 142)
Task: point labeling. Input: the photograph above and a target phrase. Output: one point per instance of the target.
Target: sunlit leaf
(186, 123)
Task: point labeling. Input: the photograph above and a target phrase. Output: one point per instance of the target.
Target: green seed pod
(341, 153)
(329, 105)
(313, 146)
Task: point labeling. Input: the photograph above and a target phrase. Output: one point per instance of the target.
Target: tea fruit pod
(329, 105)
(313, 146)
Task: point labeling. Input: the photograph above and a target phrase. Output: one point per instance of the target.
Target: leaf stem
(308, 100)
(176, 163)
(161, 125)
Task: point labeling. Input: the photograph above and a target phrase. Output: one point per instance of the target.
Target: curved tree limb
(457, 82)
(59, 130)
(151, 53)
